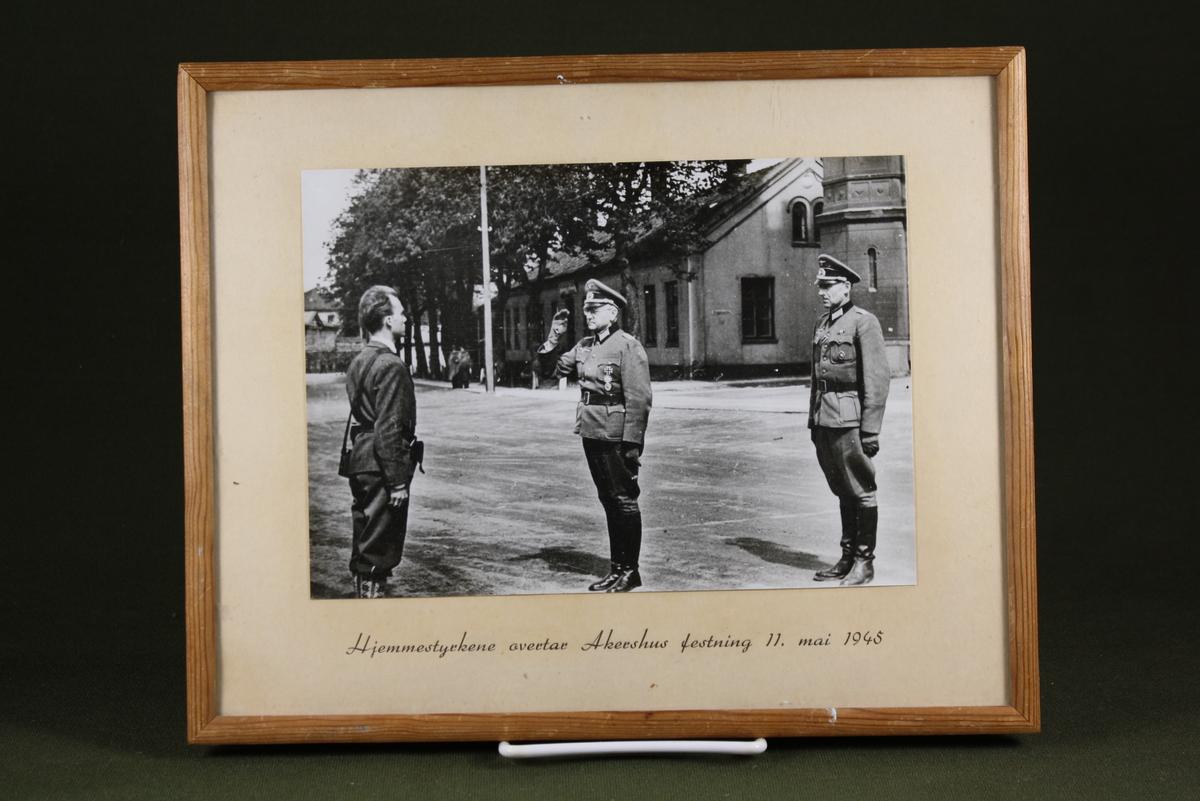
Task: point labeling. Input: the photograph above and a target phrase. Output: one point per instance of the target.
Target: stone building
(745, 304)
(322, 321)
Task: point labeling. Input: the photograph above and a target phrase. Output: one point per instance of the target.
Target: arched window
(799, 222)
(872, 269)
(818, 207)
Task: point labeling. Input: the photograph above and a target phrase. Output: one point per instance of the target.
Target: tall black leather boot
(863, 570)
(603, 584)
(631, 533)
(849, 535)
(629, 579)
(628, 550)
(612, 516)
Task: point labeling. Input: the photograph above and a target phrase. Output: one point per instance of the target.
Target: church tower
(861, 220)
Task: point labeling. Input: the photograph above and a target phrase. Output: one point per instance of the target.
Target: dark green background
(92, 654)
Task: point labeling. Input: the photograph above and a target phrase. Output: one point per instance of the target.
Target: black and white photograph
(608, 377)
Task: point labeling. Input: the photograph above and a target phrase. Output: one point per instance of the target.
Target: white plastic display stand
(605, 748)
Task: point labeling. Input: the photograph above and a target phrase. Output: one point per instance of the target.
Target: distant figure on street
(614, 381)
(460, 368)
(381, 462)
(452, 365)
(850, 381)
(498, 373)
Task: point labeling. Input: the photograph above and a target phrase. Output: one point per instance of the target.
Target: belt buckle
(587, 396)
(821, 385)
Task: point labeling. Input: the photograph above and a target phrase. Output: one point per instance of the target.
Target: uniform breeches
(616, 482)
(379, 528)
(849, 471)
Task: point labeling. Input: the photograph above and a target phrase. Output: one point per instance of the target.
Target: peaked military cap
(830, 269)
(597, 293)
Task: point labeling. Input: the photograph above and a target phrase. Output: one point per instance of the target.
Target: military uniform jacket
(615, 368)
(850, 371)
(386, 410)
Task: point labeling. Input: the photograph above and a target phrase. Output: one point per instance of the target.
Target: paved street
(732, 496)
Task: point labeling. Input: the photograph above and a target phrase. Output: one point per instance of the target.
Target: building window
(799, 222)
(818, 208)
(758, 309)
(650, 322)
(671, 296)
(872, 270)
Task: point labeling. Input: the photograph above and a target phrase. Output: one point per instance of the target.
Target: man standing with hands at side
(850, 381)
(614, 406)
(380, 466)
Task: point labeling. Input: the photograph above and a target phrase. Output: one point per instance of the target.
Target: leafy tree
(418, 231)
(653, 210)
(536, 212)
(398, 230)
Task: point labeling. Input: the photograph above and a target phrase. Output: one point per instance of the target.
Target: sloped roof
(756, 184)
(317, 299)
(710, 218)
(314, 319)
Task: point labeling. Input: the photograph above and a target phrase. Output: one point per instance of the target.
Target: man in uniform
(614, 381)
(849, 391)
(384, 410)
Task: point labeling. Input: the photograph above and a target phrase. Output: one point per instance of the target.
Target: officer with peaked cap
(850, 382)
(614, 382)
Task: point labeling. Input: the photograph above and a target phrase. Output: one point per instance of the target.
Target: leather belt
(821, 385)
(599, 399)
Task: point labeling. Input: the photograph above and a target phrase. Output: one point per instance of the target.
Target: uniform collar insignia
(839, 311)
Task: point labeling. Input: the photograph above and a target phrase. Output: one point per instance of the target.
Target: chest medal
(607, 370)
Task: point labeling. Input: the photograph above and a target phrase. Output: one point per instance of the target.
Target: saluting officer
(384, 410)
(849, 391)
(614, 381)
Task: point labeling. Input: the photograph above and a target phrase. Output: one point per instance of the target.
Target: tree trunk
(499, 344)
(536, 326)
(419, 339)
(408, 341)
(631, 318)
(435, 344)
(457, 317)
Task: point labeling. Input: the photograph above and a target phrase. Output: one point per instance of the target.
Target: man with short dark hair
(460, 367)
(383, 406)
(614, 383)
(850, 382)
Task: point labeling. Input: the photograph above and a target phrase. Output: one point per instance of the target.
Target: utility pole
(488, 362)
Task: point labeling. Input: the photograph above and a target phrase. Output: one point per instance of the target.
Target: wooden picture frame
(1005, 66)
